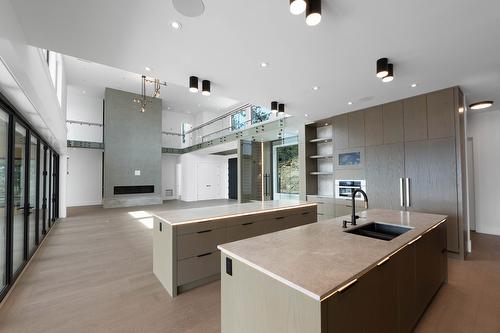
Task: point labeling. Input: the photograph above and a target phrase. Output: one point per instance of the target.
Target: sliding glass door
(4, 157)
(32, 225)
(40, 209)
(18, 238)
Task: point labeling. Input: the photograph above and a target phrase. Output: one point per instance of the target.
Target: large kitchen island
(185, 253)
(325, 278)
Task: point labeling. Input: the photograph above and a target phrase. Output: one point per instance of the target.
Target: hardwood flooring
(94, 274)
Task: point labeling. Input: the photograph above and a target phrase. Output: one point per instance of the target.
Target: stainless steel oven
(344, 188)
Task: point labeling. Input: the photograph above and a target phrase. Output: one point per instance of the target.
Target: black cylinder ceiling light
(281, 108)
(313, 12)
(193, 84)
(205, 88)
(274, 106)
(382, 67)
(297, 7)
(390, 74)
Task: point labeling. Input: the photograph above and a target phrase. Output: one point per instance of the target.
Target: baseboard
(490, 230)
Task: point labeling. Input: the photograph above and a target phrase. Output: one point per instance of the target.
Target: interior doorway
(233, 178)
(286, 171)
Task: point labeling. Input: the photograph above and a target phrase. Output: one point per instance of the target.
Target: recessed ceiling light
(306, 115)
(481, 105)
(413, 85)
(84, 92)
(326, 124)
(264, 64)
(176, 25)
(147, 68)
(349, 103)
(315, 88)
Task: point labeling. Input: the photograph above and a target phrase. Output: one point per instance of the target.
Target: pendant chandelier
(144, 99)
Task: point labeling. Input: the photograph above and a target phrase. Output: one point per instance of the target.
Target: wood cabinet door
(384, 169)
(340, 132)
(428, 268)
(430, 166)
(393, 123)
(440, 115)
(415, 118)
(374, 128)
(406, 285)
(356, 129)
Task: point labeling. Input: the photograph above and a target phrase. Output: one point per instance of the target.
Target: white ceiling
(436, 44)
(91, 78)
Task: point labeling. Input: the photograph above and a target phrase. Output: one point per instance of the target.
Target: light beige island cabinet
(185, 253)
(319, 278)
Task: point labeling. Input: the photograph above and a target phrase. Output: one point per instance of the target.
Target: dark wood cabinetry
(394, 294)
(393, 122)
(415, 118)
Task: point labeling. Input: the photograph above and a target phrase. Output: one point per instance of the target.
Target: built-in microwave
(344, 188)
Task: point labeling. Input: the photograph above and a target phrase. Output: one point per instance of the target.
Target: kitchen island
(185, 241)
(324, 278)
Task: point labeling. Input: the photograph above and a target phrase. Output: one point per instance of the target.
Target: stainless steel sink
(379, 230)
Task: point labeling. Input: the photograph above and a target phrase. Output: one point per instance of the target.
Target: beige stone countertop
(318, 258)
(201, 214)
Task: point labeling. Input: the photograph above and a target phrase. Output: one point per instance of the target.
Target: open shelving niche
(321, 161)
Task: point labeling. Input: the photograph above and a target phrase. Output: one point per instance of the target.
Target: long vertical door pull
(408, 202)
(401, 192)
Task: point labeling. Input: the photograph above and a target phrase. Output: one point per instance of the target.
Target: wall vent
(169, 193)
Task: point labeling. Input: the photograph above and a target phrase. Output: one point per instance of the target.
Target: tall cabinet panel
(415, 118)
(384, 169)
(374, 128)
(440, 117)
(392, 114)
(356, 129)
(430, 166)
(341, 132)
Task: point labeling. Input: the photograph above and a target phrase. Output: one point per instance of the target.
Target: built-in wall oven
(344, 188)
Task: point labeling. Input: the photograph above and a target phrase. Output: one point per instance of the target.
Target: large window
(32, 194)
(18, 195)
(239, 121)
(260, 114)
(286, 170)
(4, 144)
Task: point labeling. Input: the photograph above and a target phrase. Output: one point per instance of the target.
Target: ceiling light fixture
(481, 105)
(176, 25)
(349, 103)
(263, 64)
(148, 69)
(274, 106)
(193, 84)
(413, 85)
(205, 88)
(297, 7)
(313, 12)
(382, 67)
(390, 76)
(315, 88)
(281, 108)
(306, 115)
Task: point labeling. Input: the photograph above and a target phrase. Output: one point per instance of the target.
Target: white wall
(86, 108)
(172, 122)
(191, 179)
(84, 177)
(169, 175)
(484, 128)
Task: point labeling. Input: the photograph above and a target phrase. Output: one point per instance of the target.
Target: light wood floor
(94, 274)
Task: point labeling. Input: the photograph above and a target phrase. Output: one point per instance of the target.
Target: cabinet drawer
(199, 267)
(204, 241)
(200, 226)
(244, 231)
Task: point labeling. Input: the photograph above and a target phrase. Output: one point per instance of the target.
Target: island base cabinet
(394, 294)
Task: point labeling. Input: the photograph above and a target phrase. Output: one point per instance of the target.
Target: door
(430, 167)
(232, 178)
(384, 171)
(41, 196)
(48, 181)
(32, 222)
(209, 181)
(4, 157)
(19, 194)
(286, 175)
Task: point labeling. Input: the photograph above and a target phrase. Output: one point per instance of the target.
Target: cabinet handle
(408, 202)
(320, 214)
(347, 286)
(204, 231)
(305, 213)
(204, 254)
(248, 223)
(401, 190)
(279, 218)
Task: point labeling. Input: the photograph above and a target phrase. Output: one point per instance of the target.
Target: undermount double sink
(379, 230)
